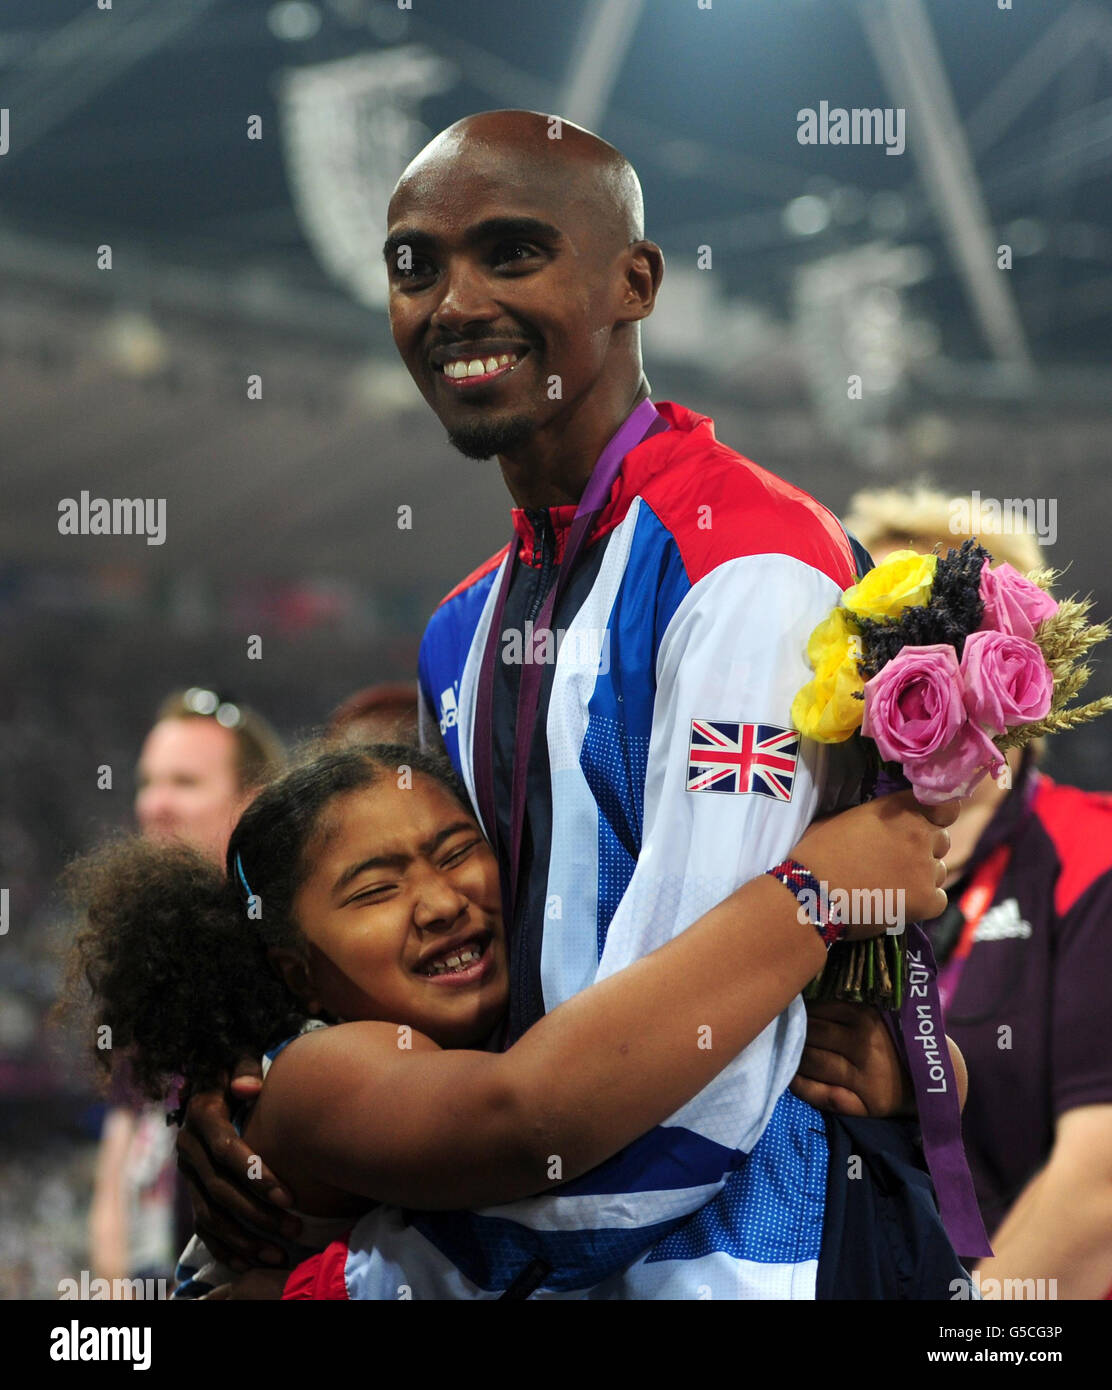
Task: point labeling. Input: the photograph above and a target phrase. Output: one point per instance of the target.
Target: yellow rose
(903, 581)
(825, 709)
(831, 642)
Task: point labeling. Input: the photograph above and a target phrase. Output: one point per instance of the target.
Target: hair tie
(242, 875)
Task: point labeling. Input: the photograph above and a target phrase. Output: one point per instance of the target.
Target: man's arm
(732, 654)
(1060, 1226)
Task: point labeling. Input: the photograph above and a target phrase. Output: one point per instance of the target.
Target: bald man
(542, 224)
(639, 689)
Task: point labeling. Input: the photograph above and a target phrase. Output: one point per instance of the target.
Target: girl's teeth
(460, 961)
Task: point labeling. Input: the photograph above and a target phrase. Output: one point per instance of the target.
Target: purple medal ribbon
(920, 1037)
(643, 421)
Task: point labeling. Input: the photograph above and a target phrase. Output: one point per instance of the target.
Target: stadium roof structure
(129, 127)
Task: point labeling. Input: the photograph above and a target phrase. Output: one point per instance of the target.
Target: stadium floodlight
(348, 130)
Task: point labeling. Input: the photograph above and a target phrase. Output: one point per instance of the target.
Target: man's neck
(555, 466)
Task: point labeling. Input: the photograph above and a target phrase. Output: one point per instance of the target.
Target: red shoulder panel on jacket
(719, 505)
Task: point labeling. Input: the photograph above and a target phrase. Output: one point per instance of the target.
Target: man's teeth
(459, 960)
(478, 366)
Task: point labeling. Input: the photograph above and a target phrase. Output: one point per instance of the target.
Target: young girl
(358, 935)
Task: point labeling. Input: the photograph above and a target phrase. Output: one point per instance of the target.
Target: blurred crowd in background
(328, 516)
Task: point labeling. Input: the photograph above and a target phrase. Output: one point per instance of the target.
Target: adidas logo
(1002, 923)
(449, 711)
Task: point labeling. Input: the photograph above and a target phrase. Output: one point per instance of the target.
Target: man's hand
(216, 1164)
(850, 1064)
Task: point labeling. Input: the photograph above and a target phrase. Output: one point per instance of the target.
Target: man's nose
(466, 298)
(153, 804)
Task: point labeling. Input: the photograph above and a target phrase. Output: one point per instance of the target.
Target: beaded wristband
(812, 896)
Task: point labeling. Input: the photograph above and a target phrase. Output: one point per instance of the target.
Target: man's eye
(411, 268)
(514, 251)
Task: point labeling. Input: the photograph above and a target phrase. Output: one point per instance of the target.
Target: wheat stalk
(1064, 638)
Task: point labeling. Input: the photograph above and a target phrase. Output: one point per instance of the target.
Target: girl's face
(402, 914)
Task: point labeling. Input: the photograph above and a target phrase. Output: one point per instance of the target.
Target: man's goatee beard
(485, 438)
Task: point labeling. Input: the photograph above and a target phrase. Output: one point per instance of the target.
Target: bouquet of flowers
(944, 663)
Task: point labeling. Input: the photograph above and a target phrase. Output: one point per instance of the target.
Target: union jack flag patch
(739, 758)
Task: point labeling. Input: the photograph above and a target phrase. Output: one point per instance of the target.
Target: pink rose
(1007, 681)
(913, 707)
(915, 712)
(1012, 603)
(957, 769)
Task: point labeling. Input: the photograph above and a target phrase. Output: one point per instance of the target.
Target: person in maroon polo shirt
(1025, 956)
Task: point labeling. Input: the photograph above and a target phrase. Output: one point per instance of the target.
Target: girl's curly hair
(174, 951)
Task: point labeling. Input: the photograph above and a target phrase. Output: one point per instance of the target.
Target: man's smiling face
(504, 292)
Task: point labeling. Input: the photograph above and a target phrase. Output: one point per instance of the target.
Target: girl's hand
(892, 847)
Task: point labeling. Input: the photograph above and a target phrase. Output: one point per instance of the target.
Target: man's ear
(644, 272)
(289, 962)
(244, 799)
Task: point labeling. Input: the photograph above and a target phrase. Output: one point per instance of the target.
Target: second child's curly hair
(175, 951)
